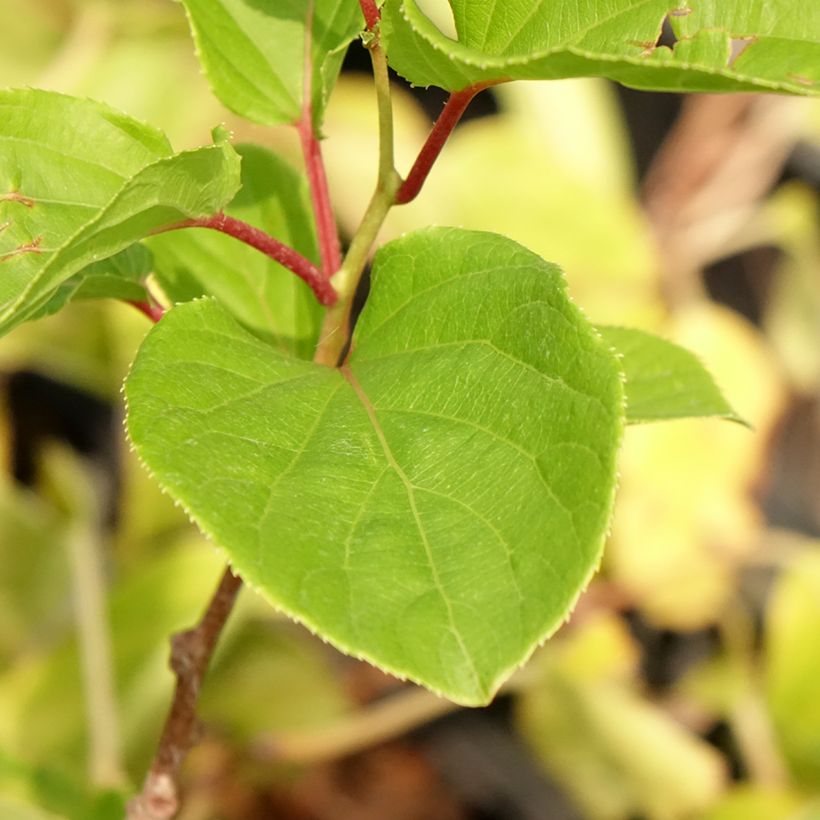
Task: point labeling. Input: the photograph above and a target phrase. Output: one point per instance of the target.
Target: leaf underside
(436, 506)
(81, 182)
(119, 277)
(721, 45)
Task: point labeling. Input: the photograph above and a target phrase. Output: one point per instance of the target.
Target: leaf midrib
(411, 498)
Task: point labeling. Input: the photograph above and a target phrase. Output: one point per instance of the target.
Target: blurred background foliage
(686, 684)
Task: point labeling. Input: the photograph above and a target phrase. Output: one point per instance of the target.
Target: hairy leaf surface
(256, 290)
(80, 182)
(255, 54)
(438, 504)
(722, 45)
(663, 380)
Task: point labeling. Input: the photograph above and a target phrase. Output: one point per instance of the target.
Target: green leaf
(254, 53)
(31, 791)
(438, 505)
(256, 290)
(80, 182)
(724, 45)
(118, 277)
(664, 381)
(793, 664)
(758, 802)
(656, 769)
(284, 680)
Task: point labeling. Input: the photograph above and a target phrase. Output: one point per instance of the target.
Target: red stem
(276, 250)
(153, 312)
(329, 248)
(448, 119)
(371, 13)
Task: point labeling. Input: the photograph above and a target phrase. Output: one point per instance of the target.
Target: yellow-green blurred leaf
(792, 320)
(793, 664)
(271, 677)
(685, 518)
(751, 803)
(615, 753)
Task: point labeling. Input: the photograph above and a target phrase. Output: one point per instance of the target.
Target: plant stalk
(326, 231)
(85, 553)
(152, 311)
(270, 246)
(191, 652)
(448, 119)
(371, 13)
(336, 327)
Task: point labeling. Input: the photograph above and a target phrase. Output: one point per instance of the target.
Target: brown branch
(191, 652)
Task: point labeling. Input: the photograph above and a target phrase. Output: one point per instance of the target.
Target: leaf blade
(86, 189)
(665, 381)
(118, 277)
(521, 40)
(363, 504)
(254, 54)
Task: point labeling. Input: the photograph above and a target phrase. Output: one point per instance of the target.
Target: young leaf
(724, 45)
(664, 381)
(255, 289)
(255, 53)
(437, 505)
(80, 182)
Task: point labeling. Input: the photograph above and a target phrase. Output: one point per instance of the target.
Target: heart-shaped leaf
(255, 54)
(80, 182)
(437, 505)
(258, 291)
(723, 45)
(663, 380)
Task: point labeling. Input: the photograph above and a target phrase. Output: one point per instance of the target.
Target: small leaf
(259, 292)
(724, 45)
(80, 182)
(438, 505)
(664, 381)
(254, 53)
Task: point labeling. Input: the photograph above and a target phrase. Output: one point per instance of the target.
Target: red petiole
(371, 13)
(448, 119)
(329, 248)
(322, 209)
(152, 311)
(270, 246)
